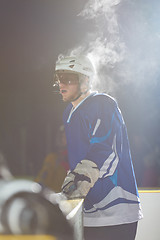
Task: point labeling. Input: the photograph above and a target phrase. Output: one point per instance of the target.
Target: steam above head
(124, 43)
(103, 46)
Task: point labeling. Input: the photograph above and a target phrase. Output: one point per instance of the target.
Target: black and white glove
(78, 182)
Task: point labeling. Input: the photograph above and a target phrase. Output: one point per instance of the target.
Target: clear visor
(66, 78)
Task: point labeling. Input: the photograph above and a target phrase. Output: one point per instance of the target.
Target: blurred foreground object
(53, 171)
(28, 209)
(4, 171)
(55, 165)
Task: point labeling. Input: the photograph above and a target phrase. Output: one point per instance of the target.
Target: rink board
(27, 237)
(148, 227)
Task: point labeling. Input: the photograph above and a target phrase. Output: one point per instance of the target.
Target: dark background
(32, 35)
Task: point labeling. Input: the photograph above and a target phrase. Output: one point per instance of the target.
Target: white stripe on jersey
(125, 213)
(108, 161)
(96, 126)
(115, 193)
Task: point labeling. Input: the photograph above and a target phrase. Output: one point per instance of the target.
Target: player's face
(68, 85)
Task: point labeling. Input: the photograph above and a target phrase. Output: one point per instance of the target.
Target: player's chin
(65, 99)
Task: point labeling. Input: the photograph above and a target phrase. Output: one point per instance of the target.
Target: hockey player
(101, 169)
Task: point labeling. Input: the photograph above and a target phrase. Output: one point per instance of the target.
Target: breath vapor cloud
(103, 46)
(124, 45)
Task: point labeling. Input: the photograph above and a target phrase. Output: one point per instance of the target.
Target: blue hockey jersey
(95, 130)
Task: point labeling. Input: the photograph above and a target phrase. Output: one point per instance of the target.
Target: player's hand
(78, 182)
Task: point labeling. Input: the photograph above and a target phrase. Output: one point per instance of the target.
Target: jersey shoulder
(101, 99)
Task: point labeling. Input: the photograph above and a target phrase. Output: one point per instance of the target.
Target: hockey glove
(78, 182)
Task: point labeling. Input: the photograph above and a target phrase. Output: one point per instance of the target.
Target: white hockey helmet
(78, 64)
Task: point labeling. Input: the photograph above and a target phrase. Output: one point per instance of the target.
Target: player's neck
(83, 96)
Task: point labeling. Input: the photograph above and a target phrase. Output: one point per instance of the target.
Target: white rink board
(149, 226)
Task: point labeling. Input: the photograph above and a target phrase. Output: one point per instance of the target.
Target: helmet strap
(80, 94)
(77, 97)
(80, 91)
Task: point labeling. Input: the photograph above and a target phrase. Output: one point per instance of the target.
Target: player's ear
(85, 84)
